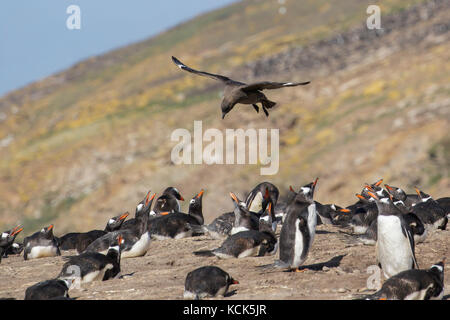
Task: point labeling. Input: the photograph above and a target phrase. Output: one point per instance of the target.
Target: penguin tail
(204, 253)
(268, 104)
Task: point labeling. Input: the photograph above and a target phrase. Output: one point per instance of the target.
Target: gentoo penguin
(395, 241)
(237, 92)
(445, 204)
(430, 212)
(168, 201)
(80, 240)
(41, 244)
(268, 220)
(208, 281)
(408, 199)
(178, 225)
(136, 238)
(91, 266)
(230, 223)
(251, 243)
(49, 289)
(258, 198)
(416, 225)
(413, 285)
(244, 219)
(299, 229)
(7, 245)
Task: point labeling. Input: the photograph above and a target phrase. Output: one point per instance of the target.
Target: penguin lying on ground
(430, 212)
(41, 244)
(136, 237)
(247, 243)
(91, 266)
(49, 289)
(208, 281)
(81, 240)
(178, 225)
(413, 285)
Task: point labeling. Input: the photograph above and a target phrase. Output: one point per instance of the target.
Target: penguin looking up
(7, 245)
(430, 212)
(299, 229)
(208, 281)
(395, 241)
(413, 285)
(168, 201)
(244, 219)
(178, 225)
(48, 290)
(258, 198)
(136, 237)
(408, 199)
(41, 244)
(80, 240)
(91, 266)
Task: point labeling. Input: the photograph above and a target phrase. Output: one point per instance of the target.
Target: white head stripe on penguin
(305, 190)
(111, 221)
(438, 267)
(4, 235)
(192, 200)
(384, 200)
(333, 207)
(139, 207)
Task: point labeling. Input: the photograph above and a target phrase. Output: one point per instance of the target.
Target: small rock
(342, 290)
(325, 268)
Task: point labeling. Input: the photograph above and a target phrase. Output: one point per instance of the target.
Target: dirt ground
(161, 273)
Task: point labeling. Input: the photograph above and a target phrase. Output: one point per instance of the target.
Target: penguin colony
(388, 218)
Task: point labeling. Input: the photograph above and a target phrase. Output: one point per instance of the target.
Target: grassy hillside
(88, 143)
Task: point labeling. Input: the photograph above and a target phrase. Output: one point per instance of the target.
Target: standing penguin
(90, 266)
(395, 240)
(208, 281)
(41, 244)
(299, 228)
(413, 285)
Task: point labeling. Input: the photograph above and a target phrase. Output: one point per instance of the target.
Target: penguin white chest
(139, 248)
(42, 251)
(393, 247)
(298, 246)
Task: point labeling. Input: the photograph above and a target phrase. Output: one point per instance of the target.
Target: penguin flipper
(256, 108)
(410, 237)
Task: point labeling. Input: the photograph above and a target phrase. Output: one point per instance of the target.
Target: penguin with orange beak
(395, 241)
(136, 238)
(299, 229)
(41, 244)
(177, 225)
(80, 240)
(168, 201)
(7, 245)
(398, 193)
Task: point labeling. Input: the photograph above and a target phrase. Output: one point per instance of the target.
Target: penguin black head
(396, 192)
(438, 270)
(174, 192)
(47, 232)
(385, 205)
(115, 222)
(13, 233)
(238, 203)
(422, 195)
(118, 244)
(195, 207)
(306, 193)
(144, 206)
(268, 220)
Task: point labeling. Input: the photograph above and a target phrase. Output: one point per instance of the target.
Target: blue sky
(35, 42)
